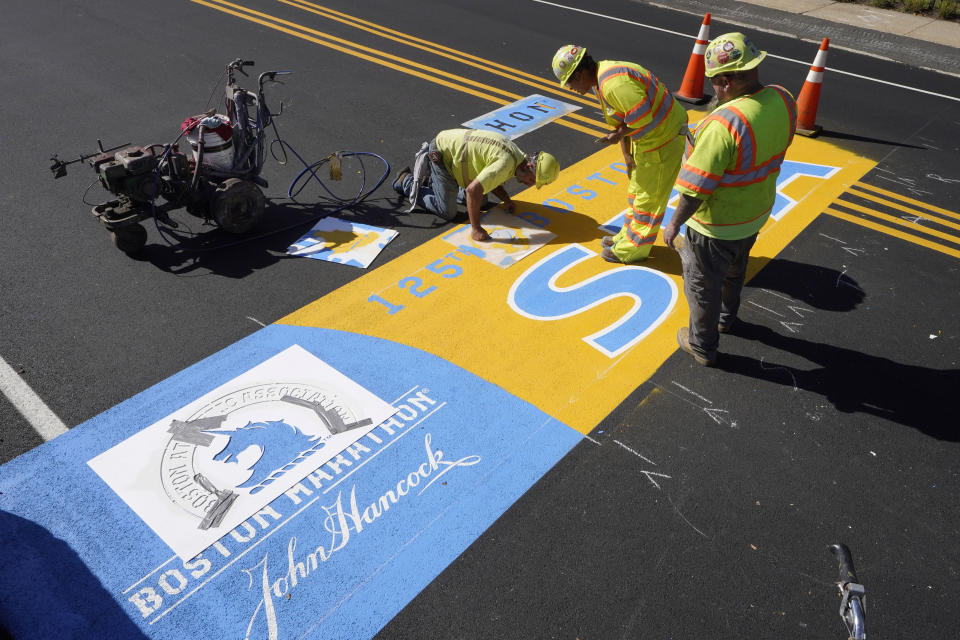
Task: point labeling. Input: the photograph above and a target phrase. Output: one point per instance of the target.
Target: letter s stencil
(535, 295)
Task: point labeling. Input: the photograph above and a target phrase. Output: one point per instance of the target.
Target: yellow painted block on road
(561, 328)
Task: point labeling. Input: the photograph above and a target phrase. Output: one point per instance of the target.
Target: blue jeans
(441, 192)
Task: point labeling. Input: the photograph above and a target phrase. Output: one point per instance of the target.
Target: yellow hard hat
(547, 169)
(731, 52)
(566, 60)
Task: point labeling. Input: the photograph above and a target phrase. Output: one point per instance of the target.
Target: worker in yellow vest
(650, 127)
(464, 165)
(728, 186)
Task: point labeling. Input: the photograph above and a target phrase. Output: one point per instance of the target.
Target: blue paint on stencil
(522, 116)
(337, 556)
(277, 441)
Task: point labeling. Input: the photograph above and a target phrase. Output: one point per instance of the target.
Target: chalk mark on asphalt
(775, 367)
(685, 518)
(713, 413)
(693, 393)
(760, 306)
(637, 453)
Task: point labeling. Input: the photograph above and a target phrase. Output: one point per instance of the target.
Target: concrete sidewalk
(943, 32)
(917, 41)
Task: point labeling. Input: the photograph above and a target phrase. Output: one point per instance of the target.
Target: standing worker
(651, 128)
(728, 186)
(471, 163)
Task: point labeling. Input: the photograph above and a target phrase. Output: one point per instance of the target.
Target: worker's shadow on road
(804, 284)
(854, 382)
(49, 592)
(571, 226)
(200, 249)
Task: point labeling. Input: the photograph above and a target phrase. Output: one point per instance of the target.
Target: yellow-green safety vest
(735, 161)
(631, 95)
(486, 156)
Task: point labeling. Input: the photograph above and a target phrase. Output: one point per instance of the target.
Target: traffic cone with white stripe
(809, 98)
(691, 90)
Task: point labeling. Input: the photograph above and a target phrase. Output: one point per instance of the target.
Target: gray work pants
(440, 193)
(713, 274)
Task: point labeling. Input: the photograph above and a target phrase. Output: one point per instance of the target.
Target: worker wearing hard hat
(728, 186)
(471, 163)
(650, 127)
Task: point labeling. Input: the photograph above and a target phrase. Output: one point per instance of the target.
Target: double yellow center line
(453, 81)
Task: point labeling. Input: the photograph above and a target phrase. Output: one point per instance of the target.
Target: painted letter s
(534, 295)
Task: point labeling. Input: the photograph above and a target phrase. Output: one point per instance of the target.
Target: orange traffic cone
(691, 90)
(810, 94)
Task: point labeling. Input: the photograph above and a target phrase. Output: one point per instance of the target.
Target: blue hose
(291, 193)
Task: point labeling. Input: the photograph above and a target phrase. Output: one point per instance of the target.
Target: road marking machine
(219, 182)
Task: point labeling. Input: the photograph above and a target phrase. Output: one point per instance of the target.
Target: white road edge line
(693, 37)
(44, 421)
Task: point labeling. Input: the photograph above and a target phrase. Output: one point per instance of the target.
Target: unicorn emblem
(288, 445)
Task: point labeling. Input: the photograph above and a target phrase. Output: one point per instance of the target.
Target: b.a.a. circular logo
(247, 439)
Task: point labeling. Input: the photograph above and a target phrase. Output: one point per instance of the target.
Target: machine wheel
(238, 205)
(129, 238)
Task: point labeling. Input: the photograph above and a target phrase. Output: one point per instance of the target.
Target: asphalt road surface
(703, 503)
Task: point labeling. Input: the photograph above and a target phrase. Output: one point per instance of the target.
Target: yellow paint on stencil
(454, 304)
(344, 241)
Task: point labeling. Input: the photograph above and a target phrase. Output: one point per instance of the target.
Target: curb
(910, 50)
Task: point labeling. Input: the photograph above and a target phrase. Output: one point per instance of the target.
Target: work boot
(683, 339)
(398, 181)
(608, 255)
(726, 327)
(606, 241)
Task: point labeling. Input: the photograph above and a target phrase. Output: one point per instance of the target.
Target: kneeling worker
(474, 163)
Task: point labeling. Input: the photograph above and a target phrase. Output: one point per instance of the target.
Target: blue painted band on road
(336, 556)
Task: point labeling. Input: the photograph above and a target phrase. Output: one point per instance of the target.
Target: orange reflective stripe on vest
(658, 103)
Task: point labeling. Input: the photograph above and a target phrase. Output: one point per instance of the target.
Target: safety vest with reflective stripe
(486, 156)
(630, 94)
(735, 161)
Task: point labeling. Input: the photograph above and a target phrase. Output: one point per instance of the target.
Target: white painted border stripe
(769, 55)
(28, 403)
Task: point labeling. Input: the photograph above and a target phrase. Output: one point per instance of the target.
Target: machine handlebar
(844, 562)
(271, 76)
(853, 595)
(239, 64)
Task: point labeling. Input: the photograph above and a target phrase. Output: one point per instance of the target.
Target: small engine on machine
(138, 176)
(221, 181)
(129, 172)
